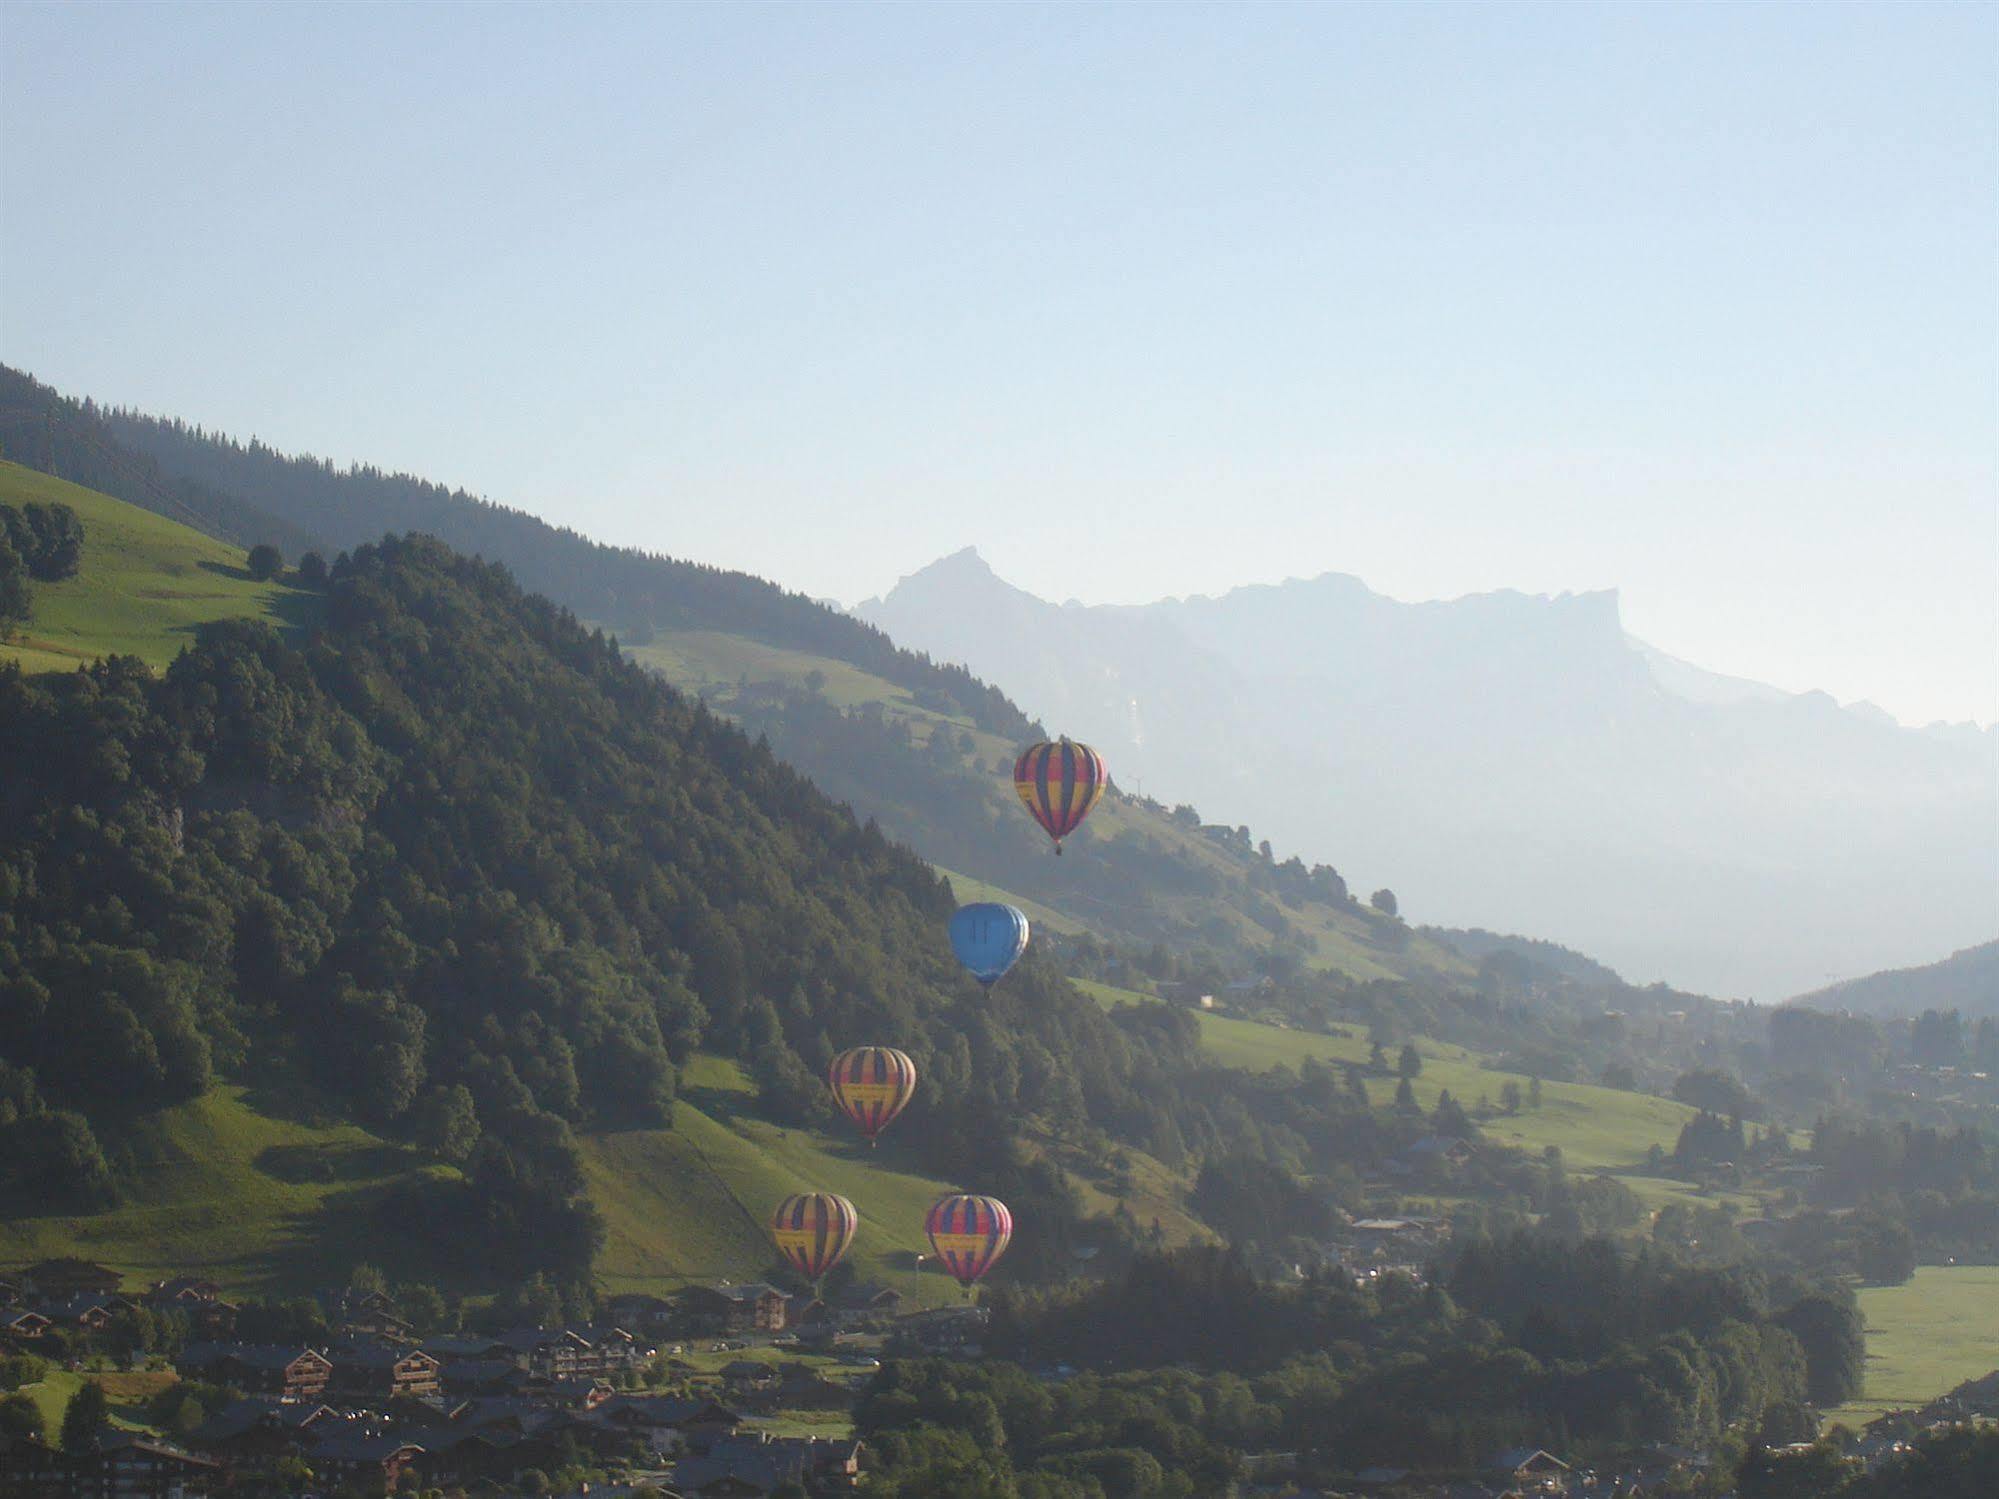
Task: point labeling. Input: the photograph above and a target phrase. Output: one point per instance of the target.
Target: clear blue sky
(1693, 301)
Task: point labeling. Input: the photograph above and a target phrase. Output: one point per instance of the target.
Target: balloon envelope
(988, 939)
(1058, 783)
(969, 1234)
(872, 1084)
(813, 1231)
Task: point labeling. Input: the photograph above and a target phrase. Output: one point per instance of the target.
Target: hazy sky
(1698, 302)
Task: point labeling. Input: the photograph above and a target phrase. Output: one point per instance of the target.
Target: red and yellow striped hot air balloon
(813, 1231)
(969, 1235)
(1058, 784)
(872, 1084)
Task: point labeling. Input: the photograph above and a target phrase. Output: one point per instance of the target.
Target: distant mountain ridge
(1518, 760)
(1967, 981)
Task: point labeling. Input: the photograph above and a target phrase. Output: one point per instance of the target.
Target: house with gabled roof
(69, 1276)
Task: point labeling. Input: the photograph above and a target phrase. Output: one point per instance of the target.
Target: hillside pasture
(144, 586)
(1596, 1129)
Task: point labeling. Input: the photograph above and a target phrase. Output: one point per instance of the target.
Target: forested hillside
(453, 868)
(70, 440)
(919, 747)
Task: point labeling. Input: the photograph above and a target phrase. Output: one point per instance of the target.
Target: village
(665, 1392)
(719, 1391)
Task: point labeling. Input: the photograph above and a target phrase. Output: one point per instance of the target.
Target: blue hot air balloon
(988, 939)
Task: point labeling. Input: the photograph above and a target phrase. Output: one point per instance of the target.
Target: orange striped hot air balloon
(1058, 784)
(969, 1235)
(813, 1231)
(872, 1084)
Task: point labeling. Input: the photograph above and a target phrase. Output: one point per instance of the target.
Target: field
(1597, 1129)
(1926, 1338)
(256, 1201)
(144, 585)
(266, 1205)
(691, 1203)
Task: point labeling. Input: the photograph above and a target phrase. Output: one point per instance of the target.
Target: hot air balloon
(812, 1231)
(969, 1235)
(872, 1084)
(988, 939)
(1058, 784)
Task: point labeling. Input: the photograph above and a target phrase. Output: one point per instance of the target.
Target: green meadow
(1596, 1129)
(1925, 1338)
(144, 586)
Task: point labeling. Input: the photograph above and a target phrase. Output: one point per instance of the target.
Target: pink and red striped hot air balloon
(969, 1234)
(1058, 783)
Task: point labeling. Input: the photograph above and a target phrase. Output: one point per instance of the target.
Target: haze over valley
(1514, 761)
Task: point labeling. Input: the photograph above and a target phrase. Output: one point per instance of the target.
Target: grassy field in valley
(1597, 1129)
(1926, 1338)
(144, 585)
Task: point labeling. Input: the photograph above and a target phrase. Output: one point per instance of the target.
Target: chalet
(805, 1310)
(751, 1467)
(373, 1464)
(90, 1311)
(636, 1309)
(610, 1348)
(471, 1347)
(200, 1301)
(727, 1308)
(1530, 1470)
(481, 1376)
(866, 1303)
(257, 1368)
(379, 1372)
(668, 1423)
(22, 1326)
(943, 1329)
(59, 1278)
(182, 1291)
(1440, 1150)
(258, 1428)
(128, 1466)
(749, 1374)
(553, 1353)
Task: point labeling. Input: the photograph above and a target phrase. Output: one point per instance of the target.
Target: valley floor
(1926, 1337)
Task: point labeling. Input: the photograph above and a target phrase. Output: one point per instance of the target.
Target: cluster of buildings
(375, 1403)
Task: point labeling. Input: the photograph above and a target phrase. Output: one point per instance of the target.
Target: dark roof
(373, 1356)
(254, 1410)
(480, 1371)
(253, 1355)
(462, 1346)
(527, 1339)
(133, 1442)
(370, 1448)
(755, 1291)
(865, 1295)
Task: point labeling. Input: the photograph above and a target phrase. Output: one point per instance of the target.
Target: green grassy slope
(1597, 1129)
(1926, 1337)
(690, 1204)
(728, 671)
(258, 1202)
(266, 1205)
(144, 585)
